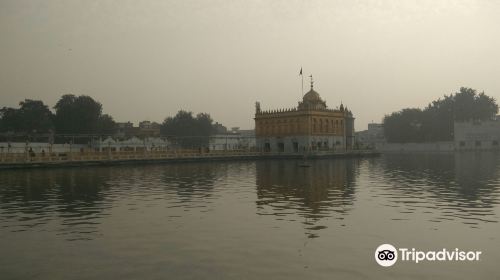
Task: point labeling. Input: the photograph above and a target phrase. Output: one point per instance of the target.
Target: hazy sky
(144, 60)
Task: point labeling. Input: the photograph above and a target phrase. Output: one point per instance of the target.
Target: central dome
(311, 96)
(312, 101)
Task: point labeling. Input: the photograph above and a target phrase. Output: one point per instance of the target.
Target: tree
(10, 119)
(36, 116)
(106, 125)
(32, 117)
(485, 107)
(436, 121)
(404, 126)
(205, 124)
(188, 131)
(472, 106)
(464, 104)
(77, 114)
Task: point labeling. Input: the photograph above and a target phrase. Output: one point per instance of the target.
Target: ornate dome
(311, 96)
(312, 101)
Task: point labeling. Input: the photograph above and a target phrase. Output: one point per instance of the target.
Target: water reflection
(477, 178)
(73, 197)
(78, 199)
(75, 202)
(286, 190)
(451, 186)
(191, 181)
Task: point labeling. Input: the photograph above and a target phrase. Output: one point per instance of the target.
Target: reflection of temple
(324, 190)
(310, 126)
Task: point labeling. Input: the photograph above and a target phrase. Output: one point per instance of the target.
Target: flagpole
(302, 85)
(302, 76)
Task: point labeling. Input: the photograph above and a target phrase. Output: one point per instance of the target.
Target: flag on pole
(300, 74)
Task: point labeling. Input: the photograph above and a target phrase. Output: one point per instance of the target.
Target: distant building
(145, 129)
(125, 129)
(309, 126)
(122, 126)
(149, 129)
(477, 135)
(372, 137)
(236, 139)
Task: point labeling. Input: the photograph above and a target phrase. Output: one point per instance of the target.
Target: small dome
(311, 96)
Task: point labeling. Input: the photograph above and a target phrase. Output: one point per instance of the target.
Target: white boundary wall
(417, 147)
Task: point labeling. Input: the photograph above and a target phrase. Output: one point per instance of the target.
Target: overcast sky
(145, 60)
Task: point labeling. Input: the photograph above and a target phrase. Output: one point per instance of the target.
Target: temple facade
(311, 126)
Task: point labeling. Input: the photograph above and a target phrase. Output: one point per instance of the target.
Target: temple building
(311, 126)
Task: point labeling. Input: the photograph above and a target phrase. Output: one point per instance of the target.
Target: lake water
(268, 219)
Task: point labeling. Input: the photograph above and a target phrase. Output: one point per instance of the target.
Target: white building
(477, 135)
(235, 140)
(372, 137)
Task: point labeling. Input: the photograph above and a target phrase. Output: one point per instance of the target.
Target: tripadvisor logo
(387, 255)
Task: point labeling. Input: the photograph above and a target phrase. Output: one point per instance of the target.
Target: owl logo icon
(386, 255)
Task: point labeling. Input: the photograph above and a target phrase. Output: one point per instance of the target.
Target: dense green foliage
(188, 131)
(32, 117)
(105, 125)
(435, 122)
(73, 115)
(77, 114)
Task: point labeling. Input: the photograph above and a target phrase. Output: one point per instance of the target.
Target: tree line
(436, 121)
(78, 115)
(188, 130)
(72, 115)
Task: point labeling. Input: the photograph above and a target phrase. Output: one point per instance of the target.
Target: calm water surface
(251, 220)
